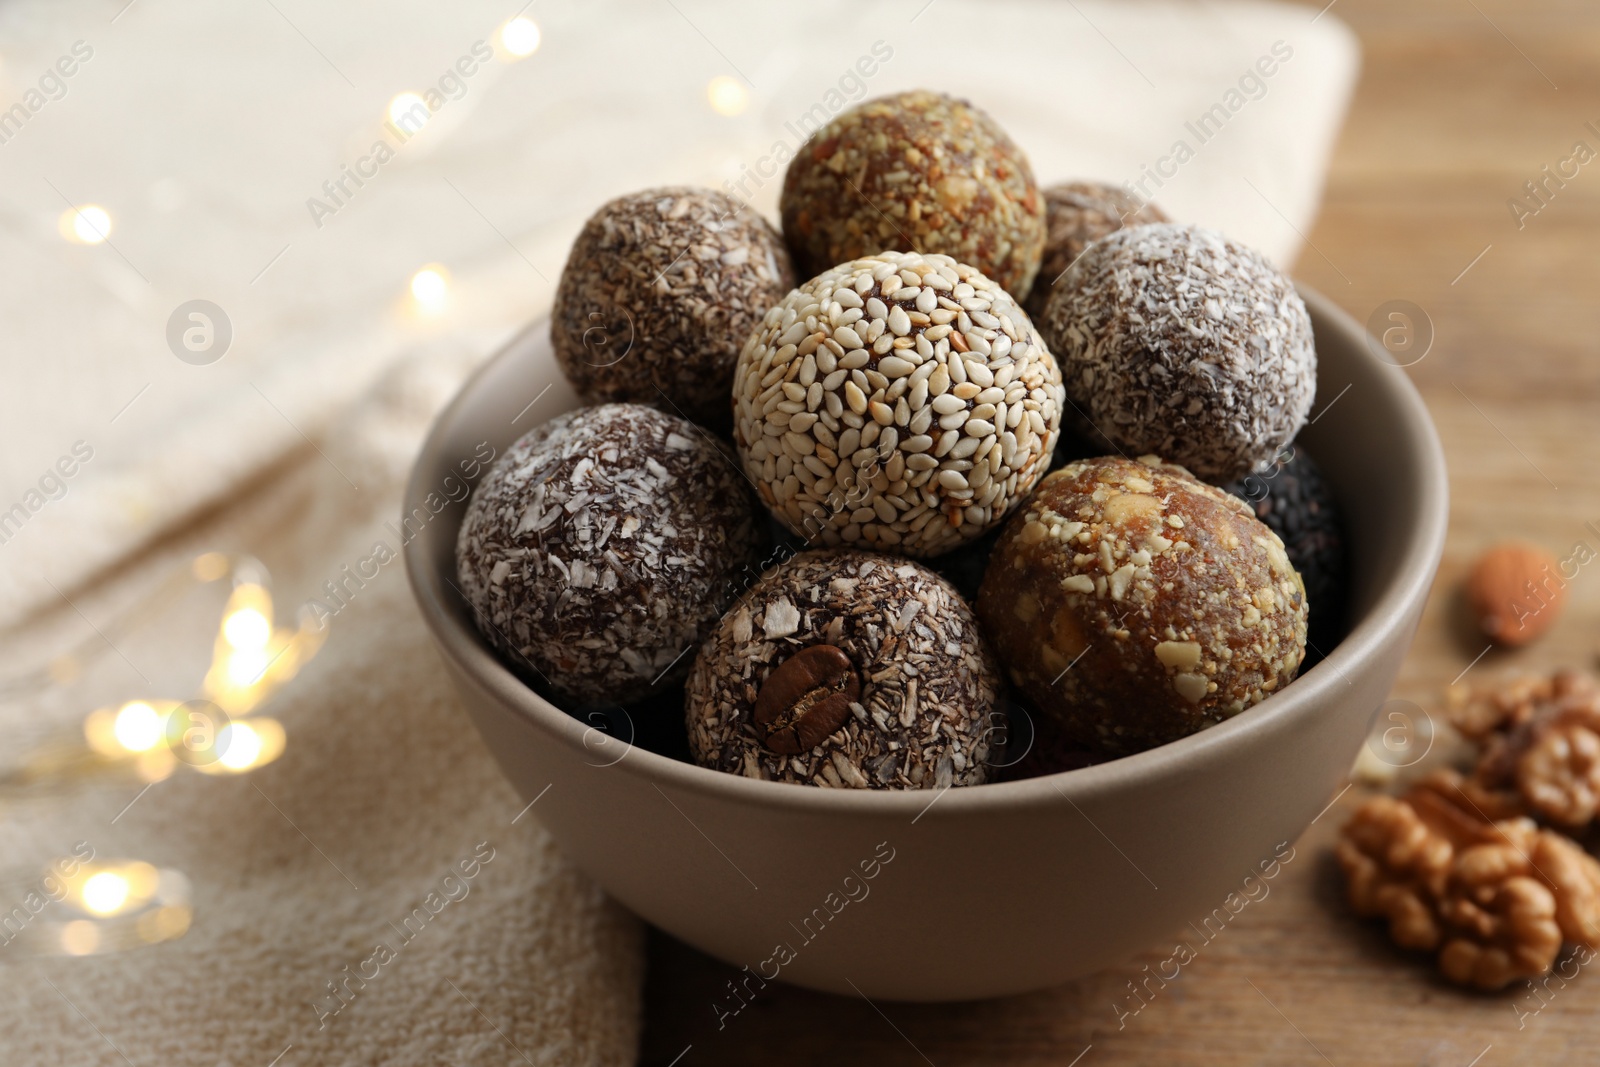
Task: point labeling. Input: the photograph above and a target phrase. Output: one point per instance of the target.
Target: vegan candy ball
(1134, 604)
(1177, 341)
(602, 546)
(1076, 215)
(917, 171)
(900, 402)
(847, 669)
(1294, 499)
(659, 292)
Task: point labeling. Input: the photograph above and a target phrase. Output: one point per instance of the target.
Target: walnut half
(1496, 899)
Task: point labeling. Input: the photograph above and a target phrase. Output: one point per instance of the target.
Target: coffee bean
(806, 699)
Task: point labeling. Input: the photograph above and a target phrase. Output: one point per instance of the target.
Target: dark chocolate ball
(1293, 499)
(602, 546)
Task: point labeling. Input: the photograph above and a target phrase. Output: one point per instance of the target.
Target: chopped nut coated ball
(1136, 605)
(659, 292)
(899, 402)
(915, 172)
(602, 547)
(847, 669)
(1178, 341)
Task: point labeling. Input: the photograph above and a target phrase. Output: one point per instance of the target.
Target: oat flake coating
(1177, 341)
(659, 291)
(1076, 215)
(929, 700)
(601, 546)
(899, 402)
(916, 172)
(1135, 604)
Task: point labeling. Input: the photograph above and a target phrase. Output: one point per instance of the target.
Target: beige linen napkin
(383, 802)
(205, 130)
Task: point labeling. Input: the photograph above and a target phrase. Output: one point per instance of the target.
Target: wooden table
(1454, 114)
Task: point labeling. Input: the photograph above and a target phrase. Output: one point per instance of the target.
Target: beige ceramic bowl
(984, 890)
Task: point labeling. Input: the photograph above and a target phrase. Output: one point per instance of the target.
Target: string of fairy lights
(85, 905)
(81, 906)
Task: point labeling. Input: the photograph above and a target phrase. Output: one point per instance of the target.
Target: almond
(1515, 592)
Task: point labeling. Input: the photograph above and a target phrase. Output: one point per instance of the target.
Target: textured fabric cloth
(301, 869)
(209, 133)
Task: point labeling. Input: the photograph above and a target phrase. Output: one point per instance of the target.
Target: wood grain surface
(1461, 102)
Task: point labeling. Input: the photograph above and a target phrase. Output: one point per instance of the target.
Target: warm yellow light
(727, 96)
(409, 112)
(246, 665)
(80, 937)
(430, 287)
(247, 629)
(245, 744)
(520, 37)
(105, 893)
(137, 727)
(87, 224)
(239, 746)
(156, 765)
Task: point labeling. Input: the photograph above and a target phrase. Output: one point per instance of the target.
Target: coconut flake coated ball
(602, 546)
(899, 402)
(1178, 341)
(1134, 604)
(848, 669)
(658, 293)
(916, 171)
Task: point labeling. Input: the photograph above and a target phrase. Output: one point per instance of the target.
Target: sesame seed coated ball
(1177, 341)
(847, 669)
(899, 402)
(916, 171)
(1134, 604)
(658, 293)
(602, 546)
(1076, 215)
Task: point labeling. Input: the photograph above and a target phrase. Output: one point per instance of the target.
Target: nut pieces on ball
(847, 669)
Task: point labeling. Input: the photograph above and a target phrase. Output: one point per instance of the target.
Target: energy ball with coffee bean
(1292, 497)
(1177, 341)
(848, 669)
(900, 402)
(1135, 604)
(1076, 215)
(602, 546)
(915, 171)
(659, 291)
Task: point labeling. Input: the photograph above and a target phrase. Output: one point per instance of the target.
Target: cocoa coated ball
(659, 292)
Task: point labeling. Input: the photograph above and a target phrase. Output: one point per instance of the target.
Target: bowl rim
(1382, 624)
